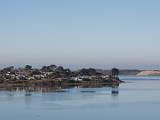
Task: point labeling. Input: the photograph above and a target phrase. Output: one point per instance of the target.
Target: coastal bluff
(149, 73)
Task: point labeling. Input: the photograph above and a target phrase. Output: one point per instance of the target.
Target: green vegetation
(56, 75)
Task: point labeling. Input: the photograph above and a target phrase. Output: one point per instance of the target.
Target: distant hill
(122, 72)
(149, 73)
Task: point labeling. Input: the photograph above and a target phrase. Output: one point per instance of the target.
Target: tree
(88, 72)
(28, 67)
(115, 72)
(60, 69)
(52, 67)
(44, 68)
(36, 72)
(9, 69)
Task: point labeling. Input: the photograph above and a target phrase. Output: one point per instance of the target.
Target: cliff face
(149, 72)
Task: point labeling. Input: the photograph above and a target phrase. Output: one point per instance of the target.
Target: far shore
(55, 76)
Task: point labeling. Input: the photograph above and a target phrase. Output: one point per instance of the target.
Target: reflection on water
(115, 90)
(28, 91)
(133, 100)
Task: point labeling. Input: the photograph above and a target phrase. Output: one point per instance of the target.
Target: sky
(80, 33)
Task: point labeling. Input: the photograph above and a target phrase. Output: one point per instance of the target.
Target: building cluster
(27, 73)
(53, 72)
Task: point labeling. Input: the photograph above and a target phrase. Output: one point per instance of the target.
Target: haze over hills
(133, 72)
(122, 72)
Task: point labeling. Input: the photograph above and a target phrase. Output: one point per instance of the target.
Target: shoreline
(52, 83)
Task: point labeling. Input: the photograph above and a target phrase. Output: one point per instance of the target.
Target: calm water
(138, 99)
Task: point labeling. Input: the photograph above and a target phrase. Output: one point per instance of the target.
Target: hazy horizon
(76, 34)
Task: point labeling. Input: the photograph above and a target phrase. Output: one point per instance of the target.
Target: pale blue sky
(80, 33)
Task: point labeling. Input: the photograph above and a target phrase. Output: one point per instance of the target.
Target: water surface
(137, 99)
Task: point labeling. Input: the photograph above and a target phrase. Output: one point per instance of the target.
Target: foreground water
(137, 99)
